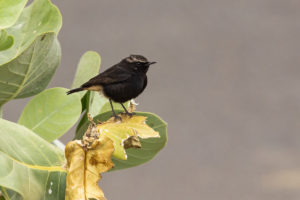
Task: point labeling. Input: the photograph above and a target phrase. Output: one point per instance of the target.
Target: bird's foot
(117, 118)
(129, 114)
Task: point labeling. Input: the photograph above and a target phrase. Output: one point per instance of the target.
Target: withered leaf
(84, 166)
(91, 156)
(132, 142)
(122, 130)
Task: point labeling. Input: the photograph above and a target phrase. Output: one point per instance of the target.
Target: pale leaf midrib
(37, 167)
(25, 77)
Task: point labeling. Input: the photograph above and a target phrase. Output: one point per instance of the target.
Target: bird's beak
(151, 63)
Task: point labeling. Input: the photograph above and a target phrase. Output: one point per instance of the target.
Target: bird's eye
(138, 63)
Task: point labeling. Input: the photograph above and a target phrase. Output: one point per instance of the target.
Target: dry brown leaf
(132, 106)
(86, 160)
(132, 142)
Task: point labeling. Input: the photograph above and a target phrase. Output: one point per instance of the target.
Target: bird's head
(136, 63)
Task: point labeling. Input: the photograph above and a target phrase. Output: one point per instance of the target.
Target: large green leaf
(51, 113)
(30, 166)
(88, 67)
(10, 11)
(37, 19)
(28, 65)
(6, 41)
(150, 147)
(31, 72)
(10, 194)
(97, 102)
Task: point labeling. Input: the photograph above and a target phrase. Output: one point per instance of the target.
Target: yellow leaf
(91, 156)
(120, 131)
(75, 156)
(85, 161)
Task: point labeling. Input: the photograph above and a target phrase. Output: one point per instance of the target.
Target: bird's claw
(129, 114)
(117, 118)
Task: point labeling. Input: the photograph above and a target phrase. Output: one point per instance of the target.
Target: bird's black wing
(112, 75)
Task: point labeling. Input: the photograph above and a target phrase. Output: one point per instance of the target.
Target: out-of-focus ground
(227, 82)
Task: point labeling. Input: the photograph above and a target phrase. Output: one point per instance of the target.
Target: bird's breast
(125, 91)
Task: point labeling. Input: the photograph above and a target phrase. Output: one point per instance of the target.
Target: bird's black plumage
(121, 82)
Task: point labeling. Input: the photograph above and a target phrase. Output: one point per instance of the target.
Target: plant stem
(1, 112)
(4, 193)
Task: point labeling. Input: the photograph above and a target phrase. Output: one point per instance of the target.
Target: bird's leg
(114, 113)
(126, 111)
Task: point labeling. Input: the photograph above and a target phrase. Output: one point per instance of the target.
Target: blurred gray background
(227, 82)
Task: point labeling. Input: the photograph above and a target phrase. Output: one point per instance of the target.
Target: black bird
(121, 82)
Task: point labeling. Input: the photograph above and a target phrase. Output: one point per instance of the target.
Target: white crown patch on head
(136, 58)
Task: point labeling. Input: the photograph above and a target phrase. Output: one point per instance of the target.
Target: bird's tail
(75, 90)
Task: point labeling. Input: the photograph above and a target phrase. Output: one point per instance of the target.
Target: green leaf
(150, 147)
(28, 65)
(2, 197)
(80, 127)
(85, 102)
(30, 166)
(37, 19)
(88, 67)
(97, 103)
(10, 11)
(9, 194)
(31, 72)
(51, 113)
(6, 41)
